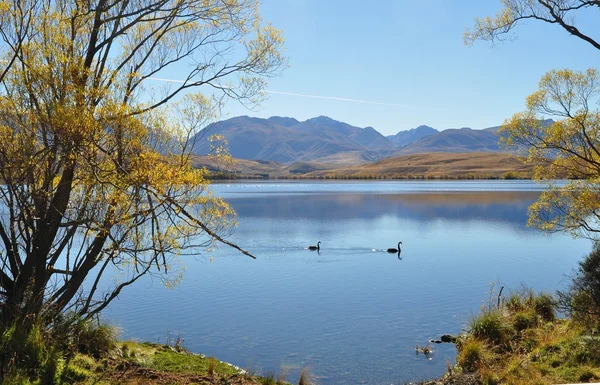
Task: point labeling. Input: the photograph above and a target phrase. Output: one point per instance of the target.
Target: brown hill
(436, 165)
(429, 165)
(243, 168)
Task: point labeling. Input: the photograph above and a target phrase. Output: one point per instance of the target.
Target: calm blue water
(352, 313)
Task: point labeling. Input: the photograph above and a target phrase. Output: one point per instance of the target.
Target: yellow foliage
(568, 147)
(93, 155)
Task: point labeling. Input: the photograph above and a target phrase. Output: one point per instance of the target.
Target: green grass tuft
(95, 339)
(545, 307)
(524, 320)
(491, 325)
(471, 356)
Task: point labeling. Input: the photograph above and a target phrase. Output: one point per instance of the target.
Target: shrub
(514, 302)
(523, 320)
(27, 353)
(38, 353)
(582, 298)
(95, 339)
(471, 355)
(490, 325)
(71, 335)
(545, 307)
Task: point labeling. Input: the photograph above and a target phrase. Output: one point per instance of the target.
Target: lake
(353, 313)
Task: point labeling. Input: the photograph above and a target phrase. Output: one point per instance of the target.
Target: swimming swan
(317, 247)
(395, 250)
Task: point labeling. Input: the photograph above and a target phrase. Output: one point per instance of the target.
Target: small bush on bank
(471, 355)
(490, 325)
(95, 339)
(51, 355)
(581, 300)
(91, 336)
(545, 307)
(524, 320)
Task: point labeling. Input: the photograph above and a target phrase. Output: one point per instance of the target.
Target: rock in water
(448, 338)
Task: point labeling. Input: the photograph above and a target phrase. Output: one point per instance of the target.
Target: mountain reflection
(506, 207)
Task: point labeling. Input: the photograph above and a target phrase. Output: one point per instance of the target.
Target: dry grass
(523, 343)
(472, 165)
(437, 165)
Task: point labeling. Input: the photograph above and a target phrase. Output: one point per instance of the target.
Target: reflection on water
(502, 207)
(351, 311)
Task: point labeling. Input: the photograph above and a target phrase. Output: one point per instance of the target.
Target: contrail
(166, 80)
(339, 99)
(309, 96)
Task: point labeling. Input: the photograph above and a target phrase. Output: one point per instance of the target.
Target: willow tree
(94, 153)
(562, 13)
(568, 147)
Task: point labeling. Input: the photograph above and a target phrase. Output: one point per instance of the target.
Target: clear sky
(410, 55)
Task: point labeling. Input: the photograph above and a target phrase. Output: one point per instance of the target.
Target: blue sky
(409, 54)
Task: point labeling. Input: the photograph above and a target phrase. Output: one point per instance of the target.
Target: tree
(581, 299)
(513, 12)
(94, 161)
(219, 154)
(567, 147)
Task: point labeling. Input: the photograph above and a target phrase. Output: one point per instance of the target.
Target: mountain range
(322, 139)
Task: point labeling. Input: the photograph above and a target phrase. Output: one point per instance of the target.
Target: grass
(134, 363)
(522, 342)
(492, 326)
(87, 352)
(163, 358)
(472, 355)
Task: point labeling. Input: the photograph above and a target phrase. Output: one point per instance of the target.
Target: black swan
(317, 247)
(395, 250)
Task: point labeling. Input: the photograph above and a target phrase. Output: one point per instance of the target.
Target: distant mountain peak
(283, 121)
(406, 137)
(322, 119)
(287, 140)
(423, 127)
